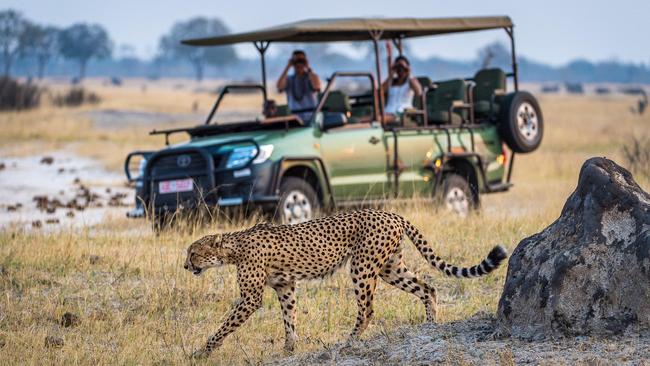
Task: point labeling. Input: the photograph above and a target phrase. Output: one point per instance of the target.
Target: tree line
(23, 39)
(34, 46)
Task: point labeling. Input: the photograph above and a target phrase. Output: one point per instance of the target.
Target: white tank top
(400, 97)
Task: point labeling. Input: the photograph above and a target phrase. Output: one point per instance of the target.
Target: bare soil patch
(473, 342)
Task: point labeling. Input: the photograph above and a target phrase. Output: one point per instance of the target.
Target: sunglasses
(300, 61)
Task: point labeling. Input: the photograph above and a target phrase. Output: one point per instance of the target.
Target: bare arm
(315, 80)
(282, 81)
(415, 86)
(389, 63)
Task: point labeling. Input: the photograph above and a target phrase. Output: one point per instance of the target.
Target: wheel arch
(311, 170)
(467, 170)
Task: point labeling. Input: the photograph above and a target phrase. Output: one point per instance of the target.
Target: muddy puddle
(59, 189)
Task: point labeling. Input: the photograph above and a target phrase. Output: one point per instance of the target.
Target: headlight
(240, 156)
(265, 154)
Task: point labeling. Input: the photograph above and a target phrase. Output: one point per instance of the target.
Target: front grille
(179, 165)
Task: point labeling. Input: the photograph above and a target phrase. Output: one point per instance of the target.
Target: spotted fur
(278, 256)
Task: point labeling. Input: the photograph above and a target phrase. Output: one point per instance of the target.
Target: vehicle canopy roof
(357, 29)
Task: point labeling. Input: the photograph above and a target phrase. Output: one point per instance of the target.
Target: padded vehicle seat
(283, 110)
(440, 98)
(487, 82)
(424, 81)
(337, 103)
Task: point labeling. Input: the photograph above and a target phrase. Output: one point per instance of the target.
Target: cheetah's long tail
(489, 264)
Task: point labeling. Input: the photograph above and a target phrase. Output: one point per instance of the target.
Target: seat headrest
(337, 101)
(493, 76)
(424, 81)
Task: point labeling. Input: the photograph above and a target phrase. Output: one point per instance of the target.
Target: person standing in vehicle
(399, 87)
(302, 86)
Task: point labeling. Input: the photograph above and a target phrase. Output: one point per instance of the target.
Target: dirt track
(472, 342)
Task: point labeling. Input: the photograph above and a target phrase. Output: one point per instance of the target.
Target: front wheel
(457, 195)
(298, 202)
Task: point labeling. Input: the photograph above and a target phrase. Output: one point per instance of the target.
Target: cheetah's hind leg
(395, 273)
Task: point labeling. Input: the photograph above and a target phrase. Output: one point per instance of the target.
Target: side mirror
(333, 120)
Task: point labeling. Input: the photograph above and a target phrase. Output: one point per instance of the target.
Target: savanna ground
(134, 303)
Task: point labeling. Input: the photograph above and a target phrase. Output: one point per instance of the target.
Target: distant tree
(171, 46)
(494, 54)
(12, 28)
(81, 42)
(40, 42)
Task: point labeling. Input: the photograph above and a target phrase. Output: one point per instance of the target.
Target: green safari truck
(458, 142)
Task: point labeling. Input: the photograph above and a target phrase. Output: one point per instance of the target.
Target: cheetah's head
(209, 251)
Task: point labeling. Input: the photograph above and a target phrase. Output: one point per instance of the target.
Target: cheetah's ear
(215, 240)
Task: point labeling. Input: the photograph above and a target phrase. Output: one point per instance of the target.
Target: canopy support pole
(262, 46)
(398, 44)
(376, 36)
(513, 55)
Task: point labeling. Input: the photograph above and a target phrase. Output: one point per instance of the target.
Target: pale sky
(552, 31)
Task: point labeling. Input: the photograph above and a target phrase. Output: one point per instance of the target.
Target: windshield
(237, 104)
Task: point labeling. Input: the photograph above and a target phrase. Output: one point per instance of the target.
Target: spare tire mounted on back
(521, 123)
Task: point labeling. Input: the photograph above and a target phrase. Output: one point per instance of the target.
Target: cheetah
(278, 256)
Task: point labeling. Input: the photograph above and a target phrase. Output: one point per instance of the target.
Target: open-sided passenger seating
(337, 103)
(441, 98)
(283, 110)
(488, 83)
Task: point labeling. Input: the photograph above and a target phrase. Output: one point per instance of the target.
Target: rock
(589, 271)
(47, 160)
(53, 342)
(69, 320)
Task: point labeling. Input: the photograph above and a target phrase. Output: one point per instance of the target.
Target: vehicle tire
(298, 202)
(521, 123)
(457, 195)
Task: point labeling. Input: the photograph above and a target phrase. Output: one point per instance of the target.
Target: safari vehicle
(458, 142)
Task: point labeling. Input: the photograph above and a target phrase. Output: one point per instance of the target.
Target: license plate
(175, 186)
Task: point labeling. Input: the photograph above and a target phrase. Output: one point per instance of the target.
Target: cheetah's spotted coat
(278, 256)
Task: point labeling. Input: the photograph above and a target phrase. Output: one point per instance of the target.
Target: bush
(76, 97)
(637, 156)
(18, 96)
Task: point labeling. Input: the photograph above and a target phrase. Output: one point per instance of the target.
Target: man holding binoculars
(302, 86)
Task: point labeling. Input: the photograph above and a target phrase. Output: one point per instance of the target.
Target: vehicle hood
(259, 137)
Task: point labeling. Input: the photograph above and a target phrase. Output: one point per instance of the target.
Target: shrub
(637, 156)
(18, 96)
(76, 97)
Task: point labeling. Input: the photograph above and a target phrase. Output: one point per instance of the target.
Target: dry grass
(138, 306)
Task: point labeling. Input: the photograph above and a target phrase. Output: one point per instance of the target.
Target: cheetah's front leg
(251, 286)
(287, 296)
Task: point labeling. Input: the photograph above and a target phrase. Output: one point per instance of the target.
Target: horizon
(588, 40)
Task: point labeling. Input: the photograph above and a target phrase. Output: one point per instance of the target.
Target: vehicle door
(355, 155)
